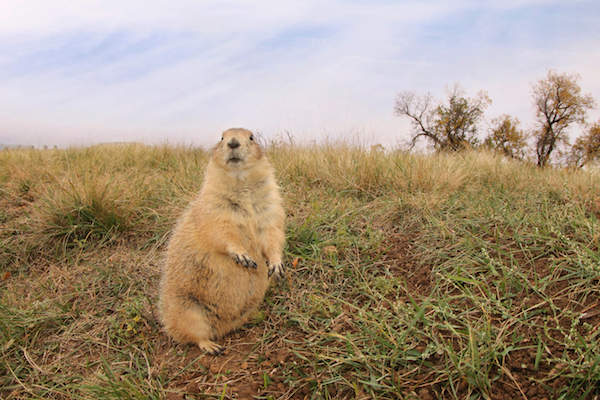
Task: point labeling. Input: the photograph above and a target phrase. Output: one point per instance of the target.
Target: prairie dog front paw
(276, 269)
(244, 260)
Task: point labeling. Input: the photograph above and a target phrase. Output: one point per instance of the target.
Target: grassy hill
(450, 276)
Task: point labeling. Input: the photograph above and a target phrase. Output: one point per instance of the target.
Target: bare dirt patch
(249, 368)
(401, 257)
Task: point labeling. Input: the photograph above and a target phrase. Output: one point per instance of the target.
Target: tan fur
(224, 247)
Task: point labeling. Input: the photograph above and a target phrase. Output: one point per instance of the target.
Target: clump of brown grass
(81, 208)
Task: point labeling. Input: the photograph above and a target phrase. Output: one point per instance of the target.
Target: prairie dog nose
(233, 143)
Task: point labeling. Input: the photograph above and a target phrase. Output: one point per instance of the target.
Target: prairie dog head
(237, 149)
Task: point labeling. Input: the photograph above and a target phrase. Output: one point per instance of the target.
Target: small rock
(425, 395)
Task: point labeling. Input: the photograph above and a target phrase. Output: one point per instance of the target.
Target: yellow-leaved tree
(586, 148)
(507, 138)
(447, 126)
(558, 104)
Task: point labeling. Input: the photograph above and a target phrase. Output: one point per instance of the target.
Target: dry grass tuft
(85, 209)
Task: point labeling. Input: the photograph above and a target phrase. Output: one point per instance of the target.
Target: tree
(586, 148)
(452, 126)
(558, 104)
(506, 137)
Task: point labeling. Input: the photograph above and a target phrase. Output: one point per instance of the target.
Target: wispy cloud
(75, 72)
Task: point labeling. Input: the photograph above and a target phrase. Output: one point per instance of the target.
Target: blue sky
(182, 71)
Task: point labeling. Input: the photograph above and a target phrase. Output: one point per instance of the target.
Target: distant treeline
(15, 146)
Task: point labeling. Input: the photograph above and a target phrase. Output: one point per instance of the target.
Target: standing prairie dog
(225, 247)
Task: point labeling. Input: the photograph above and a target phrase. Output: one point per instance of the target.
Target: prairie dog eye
(221, 137)
(251, 137)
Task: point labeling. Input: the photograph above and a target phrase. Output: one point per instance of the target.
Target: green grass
(460, 276)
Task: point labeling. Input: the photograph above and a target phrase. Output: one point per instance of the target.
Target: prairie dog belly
(237, 288)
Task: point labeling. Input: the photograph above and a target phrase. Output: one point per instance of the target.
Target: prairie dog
(225, 247)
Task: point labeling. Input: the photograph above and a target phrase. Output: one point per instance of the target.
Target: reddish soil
(402, 261)
(242, 372)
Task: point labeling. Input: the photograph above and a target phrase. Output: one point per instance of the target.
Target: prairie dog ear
(259, 139)
(256, 139)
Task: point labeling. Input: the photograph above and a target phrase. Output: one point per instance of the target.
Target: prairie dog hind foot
(211, 347)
